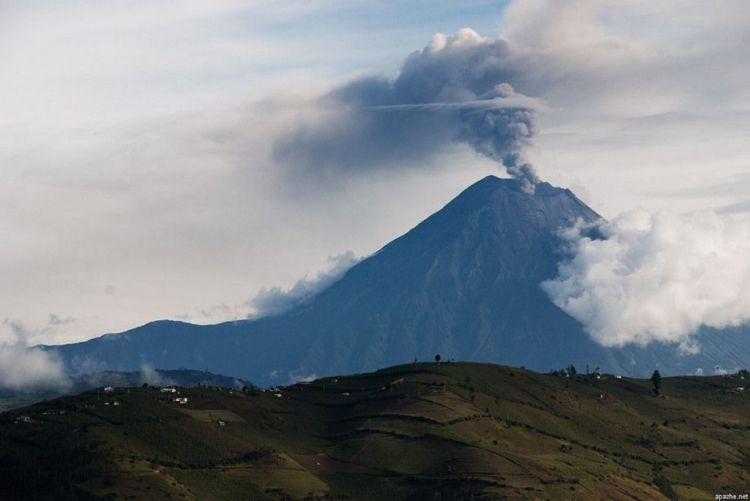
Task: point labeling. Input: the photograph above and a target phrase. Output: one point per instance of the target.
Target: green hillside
(11, 398)
(419, 431)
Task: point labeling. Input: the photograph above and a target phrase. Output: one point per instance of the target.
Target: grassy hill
(418, 431)
(11, 399)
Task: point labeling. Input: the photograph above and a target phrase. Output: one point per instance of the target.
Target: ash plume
(458, 89)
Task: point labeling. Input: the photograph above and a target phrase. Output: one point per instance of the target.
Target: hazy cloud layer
(275, 300)
(458, 89)
(656, 277)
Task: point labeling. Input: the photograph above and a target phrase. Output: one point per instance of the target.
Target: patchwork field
(418, 431)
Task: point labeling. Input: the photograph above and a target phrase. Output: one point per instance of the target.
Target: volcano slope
(465, 283)
(417, 431)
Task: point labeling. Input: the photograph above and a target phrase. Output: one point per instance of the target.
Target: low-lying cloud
(656, 278)
(275, 300)
(458, 89)
(152, 377)
(23, 368)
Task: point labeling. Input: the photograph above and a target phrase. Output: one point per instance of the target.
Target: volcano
(464, 283)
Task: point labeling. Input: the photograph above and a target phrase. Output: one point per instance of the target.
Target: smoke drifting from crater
(458, 89)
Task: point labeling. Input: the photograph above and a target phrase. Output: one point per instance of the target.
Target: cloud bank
(275, 300)
(656, 278)
(458, 89)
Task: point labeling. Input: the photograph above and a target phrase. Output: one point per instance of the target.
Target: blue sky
(136, 138)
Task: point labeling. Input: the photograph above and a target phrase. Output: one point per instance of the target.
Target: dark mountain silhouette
(464, 283)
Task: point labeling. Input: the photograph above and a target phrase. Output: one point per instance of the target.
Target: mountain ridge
(463, 283)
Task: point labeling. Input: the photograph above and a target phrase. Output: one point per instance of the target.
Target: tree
(437, 358)
(572, 370)
(656, 381)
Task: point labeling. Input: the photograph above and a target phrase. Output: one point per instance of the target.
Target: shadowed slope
(418, 431)
(463, 283)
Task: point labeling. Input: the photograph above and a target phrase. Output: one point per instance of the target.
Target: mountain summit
(464, 284)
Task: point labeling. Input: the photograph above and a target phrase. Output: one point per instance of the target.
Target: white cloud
(643, 96)
(23, 368)
(153, 378)
(275, 300)
(28, 368)
(656, 278)
(632, 58)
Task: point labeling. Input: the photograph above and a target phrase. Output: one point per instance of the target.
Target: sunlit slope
(409, 432)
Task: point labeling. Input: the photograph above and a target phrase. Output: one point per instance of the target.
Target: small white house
(168, 389)
(180, 400)
(108, 389)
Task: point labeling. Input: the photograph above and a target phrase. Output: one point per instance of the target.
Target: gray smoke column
(460, 88)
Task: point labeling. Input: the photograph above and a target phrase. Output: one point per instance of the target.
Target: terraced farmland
(418, 431)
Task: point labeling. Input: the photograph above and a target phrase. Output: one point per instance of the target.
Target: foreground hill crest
(418, 431)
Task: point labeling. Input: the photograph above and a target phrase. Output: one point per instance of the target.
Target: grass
(448, 431)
